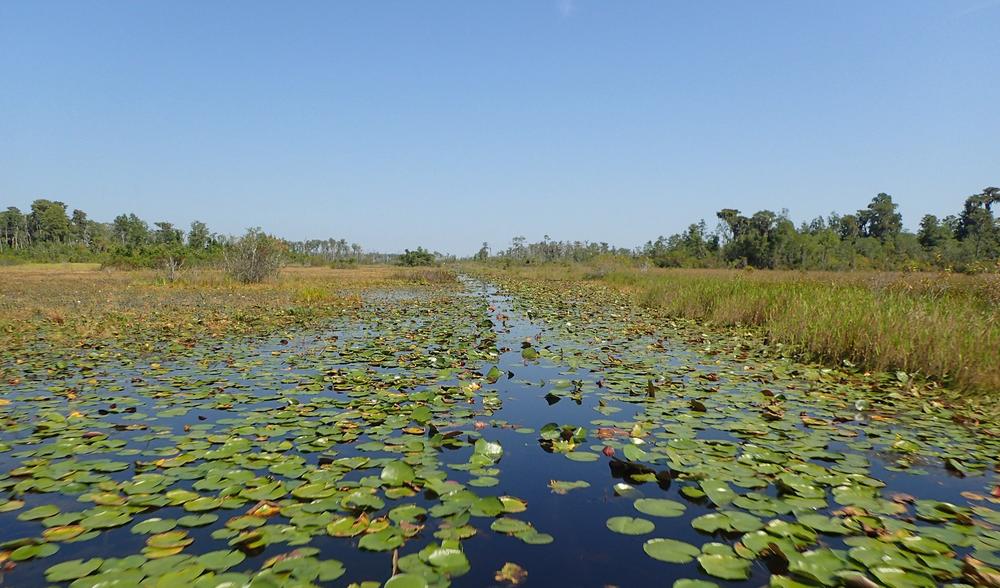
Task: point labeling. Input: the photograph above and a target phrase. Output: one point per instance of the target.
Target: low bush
(254, 257)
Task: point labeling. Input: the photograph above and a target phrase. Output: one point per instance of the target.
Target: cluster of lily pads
(786, 457)
(364, 449)
(224, 465)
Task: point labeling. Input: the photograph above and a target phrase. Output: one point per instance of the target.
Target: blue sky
(443, 124)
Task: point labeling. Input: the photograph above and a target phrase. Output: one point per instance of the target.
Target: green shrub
(419, 257)
(254, 257)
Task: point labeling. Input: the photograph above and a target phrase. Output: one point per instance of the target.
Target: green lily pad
(202, 504)
(33, 551)
(727, 567)
(630, 525)
(154, 525)
(899, 578)
(73, 569)
(406, 581)
(221, 560)
(39, 512)
(659, 507)
(384, 540)
(819, 565)
(197, 520)
(670, 550)
(397, 473)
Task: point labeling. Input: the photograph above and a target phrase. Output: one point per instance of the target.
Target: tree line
(871, 238)
(49, 231)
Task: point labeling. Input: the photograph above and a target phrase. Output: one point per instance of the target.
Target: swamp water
(442, 436)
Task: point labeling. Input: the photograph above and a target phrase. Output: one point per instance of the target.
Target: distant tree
(198, 236)
(420, 256)
(13, 229)
(80, 227)
(990, 196)
(849, 227)
(976, 225)
(130, 230)
(99, 237)
(517, 248)
(167, 234)
(48, 222)
(880, 220)
(932, 233)
(754, 241)
(484, 252)
(731, 223)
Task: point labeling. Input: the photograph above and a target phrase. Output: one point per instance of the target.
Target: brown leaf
(511, 573)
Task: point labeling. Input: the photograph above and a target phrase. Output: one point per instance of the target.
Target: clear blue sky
(443, 124)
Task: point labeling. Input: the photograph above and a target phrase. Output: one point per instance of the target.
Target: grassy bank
(943, 326)
(79, 305)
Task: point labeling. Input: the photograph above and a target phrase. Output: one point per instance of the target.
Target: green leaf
(509, 526)
(154, 525)
(39, 512)
(406, 581)
(659, 507)
(727, 567)
(73, 569)
(630, 525)
(819, 565)
(221, 560)
(384, 540)
(489, 449)
(670, 550)
(899, 578)
(718, 492)
(397, 473)
(448, 559)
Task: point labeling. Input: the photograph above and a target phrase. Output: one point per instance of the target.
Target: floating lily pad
(396, 473)
(727, 567)
(659, 507)
(670, 550)
(73, 569)
(630, 525)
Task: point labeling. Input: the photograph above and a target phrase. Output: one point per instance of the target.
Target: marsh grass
(943, 326)
(425, 275)
(79, 307)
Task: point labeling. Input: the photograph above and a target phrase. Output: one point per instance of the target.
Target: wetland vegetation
(943, 326)
(558, 293)
(472, 426)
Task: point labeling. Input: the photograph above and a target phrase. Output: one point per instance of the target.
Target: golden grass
(48, 268)
(943, 326)
(74, 306)
(425, 275)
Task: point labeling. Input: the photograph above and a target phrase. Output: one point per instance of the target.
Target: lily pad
(659, 507)
(630, 525)
(73, 569)
(670, 550)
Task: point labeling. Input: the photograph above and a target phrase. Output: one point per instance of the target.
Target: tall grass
(425, 275)
(942, 325)
(945, 327)
(70, 305)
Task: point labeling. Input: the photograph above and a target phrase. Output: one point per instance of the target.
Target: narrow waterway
(747, 460)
